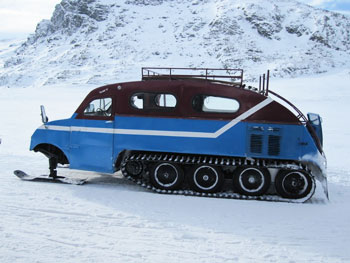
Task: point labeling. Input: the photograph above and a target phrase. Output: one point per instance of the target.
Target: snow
(111, 220)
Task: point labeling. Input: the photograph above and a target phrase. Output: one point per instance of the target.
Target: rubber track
(218, 161)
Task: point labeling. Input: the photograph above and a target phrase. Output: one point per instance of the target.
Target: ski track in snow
(111, 220)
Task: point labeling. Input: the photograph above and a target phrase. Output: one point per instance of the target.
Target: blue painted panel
(234, 142)
(225, 145)
(92, 151)
(97, 151)
(59, 139)
(84, 150)
(287, 144)
(168, 124)
(309, 146)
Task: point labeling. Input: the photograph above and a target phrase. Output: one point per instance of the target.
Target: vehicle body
(186, 116)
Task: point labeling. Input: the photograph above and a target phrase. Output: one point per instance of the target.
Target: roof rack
(233, 77)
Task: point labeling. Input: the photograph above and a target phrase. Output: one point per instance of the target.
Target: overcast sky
(20, 17)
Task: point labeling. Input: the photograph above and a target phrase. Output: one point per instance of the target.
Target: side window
(215, 104)
(165, 100)
(155, 101)
(99, 107)
(137, 100)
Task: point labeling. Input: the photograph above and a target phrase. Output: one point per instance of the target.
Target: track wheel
(206, 179)
(133, 168)
(251, 180)
(293, 184)
(167, 176)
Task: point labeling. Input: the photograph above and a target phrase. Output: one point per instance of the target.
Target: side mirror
(44, 118)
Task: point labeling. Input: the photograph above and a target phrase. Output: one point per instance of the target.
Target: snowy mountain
(103, 41)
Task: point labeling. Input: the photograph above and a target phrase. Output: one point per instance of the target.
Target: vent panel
(274, 146)
(256, 143)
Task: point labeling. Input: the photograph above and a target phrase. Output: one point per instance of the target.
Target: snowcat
(191, 131)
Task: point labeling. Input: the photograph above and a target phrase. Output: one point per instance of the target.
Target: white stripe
(216, 134)
(165, 133)
(92, 129)
(54, 127)
(243, 116)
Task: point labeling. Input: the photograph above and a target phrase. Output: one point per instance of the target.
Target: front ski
(45, 178)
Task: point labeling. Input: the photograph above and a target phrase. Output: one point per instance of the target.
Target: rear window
(145, 100)
(205, 103)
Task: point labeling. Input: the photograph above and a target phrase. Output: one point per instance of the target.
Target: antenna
(259, 84)
(263, 87)
(267, 82)
(264, 83)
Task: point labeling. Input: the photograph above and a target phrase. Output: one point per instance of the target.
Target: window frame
(214, 112)
(156, 107)
(81, 114)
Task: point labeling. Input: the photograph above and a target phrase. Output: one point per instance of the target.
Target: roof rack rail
(264, 83)
(233, 77)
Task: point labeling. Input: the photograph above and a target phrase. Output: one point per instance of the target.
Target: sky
(20, 17)
(336, 5)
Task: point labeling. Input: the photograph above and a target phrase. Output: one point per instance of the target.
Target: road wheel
(206, 179)
(167, 176)
(133, 168)
(251, 180)
(293, 184)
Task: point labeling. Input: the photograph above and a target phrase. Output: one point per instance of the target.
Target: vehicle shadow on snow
(116, 180)
(119, 182)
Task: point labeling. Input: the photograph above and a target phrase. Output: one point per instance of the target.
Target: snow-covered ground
(111, 220)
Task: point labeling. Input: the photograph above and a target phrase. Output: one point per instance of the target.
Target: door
(91, 142)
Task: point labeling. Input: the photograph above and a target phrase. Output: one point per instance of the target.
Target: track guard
(318, 169)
